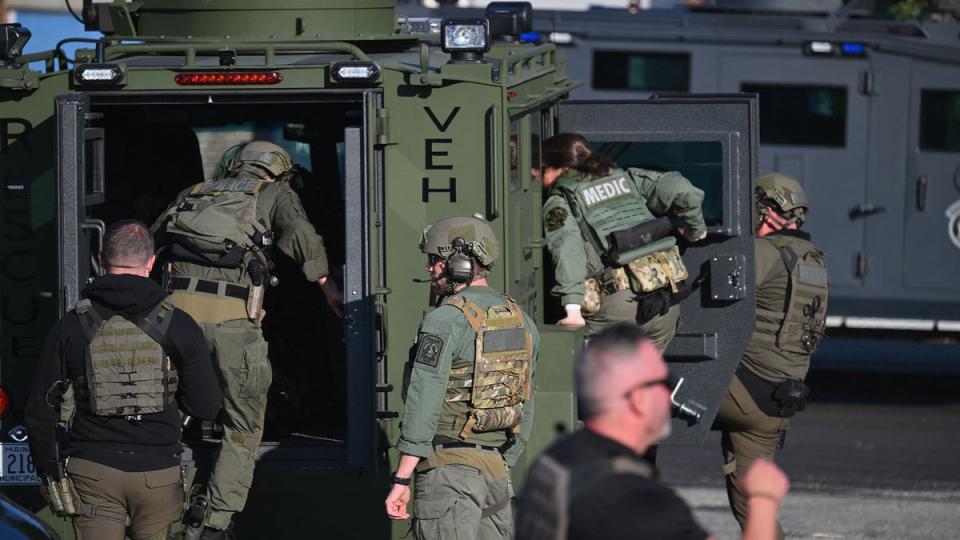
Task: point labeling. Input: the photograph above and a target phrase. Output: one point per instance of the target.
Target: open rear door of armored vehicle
(712, 140)
(80, 178)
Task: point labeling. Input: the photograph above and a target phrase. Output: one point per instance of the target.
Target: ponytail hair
(570, 150)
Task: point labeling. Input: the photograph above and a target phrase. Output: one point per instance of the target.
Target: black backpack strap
(156, 323)
(787, 254)
(90, 319)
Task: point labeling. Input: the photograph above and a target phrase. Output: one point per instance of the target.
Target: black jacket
(152, 443)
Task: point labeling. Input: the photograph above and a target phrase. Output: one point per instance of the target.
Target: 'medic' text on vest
(606, 190)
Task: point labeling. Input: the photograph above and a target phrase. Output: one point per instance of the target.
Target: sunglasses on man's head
(669, 382)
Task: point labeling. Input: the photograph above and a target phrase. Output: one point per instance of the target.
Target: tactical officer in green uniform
(469, 388)
(219, 234)
(791, 314)
(610, 235)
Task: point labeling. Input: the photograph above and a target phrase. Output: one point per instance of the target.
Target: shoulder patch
(428, 352)
(555, 218)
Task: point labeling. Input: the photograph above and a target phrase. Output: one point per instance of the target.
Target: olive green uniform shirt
(574, 257)
(279, 206)
(760, 357)
(426, 414)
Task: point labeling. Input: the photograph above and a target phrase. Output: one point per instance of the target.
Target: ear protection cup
(459, 266)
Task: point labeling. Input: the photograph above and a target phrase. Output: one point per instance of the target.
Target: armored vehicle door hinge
(384, 131)
(867, 82)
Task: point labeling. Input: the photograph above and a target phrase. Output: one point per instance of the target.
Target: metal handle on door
(863, 210)
(99, 228)
(922, 193)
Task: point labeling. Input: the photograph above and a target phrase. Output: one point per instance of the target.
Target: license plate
(18, 468)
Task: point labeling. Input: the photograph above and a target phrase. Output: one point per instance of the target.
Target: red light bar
(229, 78)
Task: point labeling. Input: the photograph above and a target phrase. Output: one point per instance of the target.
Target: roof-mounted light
(560, 38)
(828, 48)
(418, 25)
(354, 72)
(99, 74)
(822, 48)
(850, 48)
(465, 39)
(508, 20)
(228, 78)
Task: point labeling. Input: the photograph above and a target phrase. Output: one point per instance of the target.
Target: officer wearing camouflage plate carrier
(102, 413)
(792, 289)
(468, 395)
(218, 236)
(609, 232)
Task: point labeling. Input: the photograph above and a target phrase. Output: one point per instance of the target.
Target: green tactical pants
(622, 306)
(450, 502)
(151, 500)
(240, 356)
(747, 433)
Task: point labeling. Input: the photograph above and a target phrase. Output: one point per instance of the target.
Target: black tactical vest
(552, 489)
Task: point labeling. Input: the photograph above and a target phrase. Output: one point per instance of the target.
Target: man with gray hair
(595, 484)
(103, 406)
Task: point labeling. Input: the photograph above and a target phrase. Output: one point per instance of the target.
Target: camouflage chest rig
(127, 369)
(801, 326)
(499, 381)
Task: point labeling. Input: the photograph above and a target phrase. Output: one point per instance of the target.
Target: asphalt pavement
(874, 456)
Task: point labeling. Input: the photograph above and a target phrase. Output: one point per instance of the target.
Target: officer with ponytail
(468, 396)
(612, 234)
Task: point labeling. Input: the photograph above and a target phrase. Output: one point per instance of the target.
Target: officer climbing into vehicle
(610, 232)
(218, 236)
(469, 393)
(792, 289)
(102, 412)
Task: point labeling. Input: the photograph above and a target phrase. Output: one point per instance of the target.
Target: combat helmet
(458, 239)
(262, 159)
(784, 193)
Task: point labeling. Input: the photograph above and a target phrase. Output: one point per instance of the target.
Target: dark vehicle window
(940, 120)
(801, 115)
(642, 71)
(700, 161)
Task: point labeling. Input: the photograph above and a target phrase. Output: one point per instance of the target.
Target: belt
(447, 446)
(210, 287)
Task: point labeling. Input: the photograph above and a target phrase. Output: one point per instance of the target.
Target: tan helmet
(784, 193)
(461, 234)
(263, 159)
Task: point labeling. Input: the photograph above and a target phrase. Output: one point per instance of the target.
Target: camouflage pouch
(656, 271)
(591, 298)
(486, 420)
(61, 495)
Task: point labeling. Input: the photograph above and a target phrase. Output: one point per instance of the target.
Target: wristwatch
(394, 479)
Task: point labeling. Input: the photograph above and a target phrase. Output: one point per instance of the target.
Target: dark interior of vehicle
(152, 152)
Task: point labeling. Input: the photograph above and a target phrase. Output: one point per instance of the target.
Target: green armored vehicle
(400, 124)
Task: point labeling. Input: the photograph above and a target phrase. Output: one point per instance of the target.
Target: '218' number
(19, 464)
